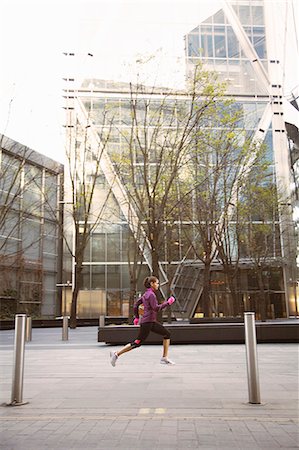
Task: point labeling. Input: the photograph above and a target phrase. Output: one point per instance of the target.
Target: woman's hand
(136, 321)
(171, 300)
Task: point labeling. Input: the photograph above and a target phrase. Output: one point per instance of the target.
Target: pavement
(77, 400)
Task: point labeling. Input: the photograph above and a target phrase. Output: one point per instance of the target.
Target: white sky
(34, 34)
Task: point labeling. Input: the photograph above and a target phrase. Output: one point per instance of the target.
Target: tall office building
(236, 43)
(30, 241)
(245, 43)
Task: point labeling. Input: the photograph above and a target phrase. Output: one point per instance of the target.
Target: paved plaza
(77, 400)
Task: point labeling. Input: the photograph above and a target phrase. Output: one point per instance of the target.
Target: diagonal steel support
(246, 45)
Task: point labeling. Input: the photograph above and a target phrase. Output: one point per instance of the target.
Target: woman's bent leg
(166, 343)
(159, 329)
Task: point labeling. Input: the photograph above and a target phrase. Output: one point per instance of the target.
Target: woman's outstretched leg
(127, 348)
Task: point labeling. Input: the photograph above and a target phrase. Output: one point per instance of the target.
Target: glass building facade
(30, 242)
(234, 44)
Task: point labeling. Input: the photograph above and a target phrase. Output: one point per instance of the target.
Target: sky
(122, 36)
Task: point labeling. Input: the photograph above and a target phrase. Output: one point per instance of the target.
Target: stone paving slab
(77, 400)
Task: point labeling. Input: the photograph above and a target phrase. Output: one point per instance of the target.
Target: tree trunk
(205, 296)
(132, 298)
(262, 295)
(73, 318)
(233, 291)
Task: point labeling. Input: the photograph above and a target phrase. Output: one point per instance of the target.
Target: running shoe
(166, 361)
(113, 358)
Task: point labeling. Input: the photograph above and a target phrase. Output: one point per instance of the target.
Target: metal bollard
(251, 358)
(18, 367)
(102, 321)
(65, 328)
(28, 329)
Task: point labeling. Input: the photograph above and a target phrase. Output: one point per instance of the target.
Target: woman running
(148, 322)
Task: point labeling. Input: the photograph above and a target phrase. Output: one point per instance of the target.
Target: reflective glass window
(232, 44)
(257, 15)
(244, 14)
(98, 247)
(97, 277)
(207, 45)
(85, 275)
(219, 17)
(193, 45)
(259, 41)
(113, 246)
(113, 277)
(219, 39)
(31, 239)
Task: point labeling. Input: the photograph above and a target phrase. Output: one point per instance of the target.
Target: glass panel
(98, 247)
(113, 246)
(219, 17)
(114, 303)
(31, 239)
(125, 277)
(257, 15)
(113, 277)
(207, 45)
(220, 50)
(86, 277)
(244, 14)
(259, 45)
(126, 113)
(98, 277)
(129, 248)
(232, 44)
(193, 45)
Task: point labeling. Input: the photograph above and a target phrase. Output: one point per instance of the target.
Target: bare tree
(87, 200)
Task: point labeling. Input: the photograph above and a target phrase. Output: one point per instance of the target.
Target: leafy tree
(259, 236)
(157, 151)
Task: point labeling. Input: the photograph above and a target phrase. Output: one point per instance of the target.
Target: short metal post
(251, 358)
(102, 321)
(65, 328)
(28, 329)
(18, 366)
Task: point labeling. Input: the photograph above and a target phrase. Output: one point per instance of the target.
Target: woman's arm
(136, 304)
(154, 303)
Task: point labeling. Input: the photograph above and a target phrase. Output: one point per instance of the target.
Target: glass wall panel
(50, 196)
(193, 45)
(257, 14)
(98, 277)
(113, 246)
(114, 307)
(98, 246)
(125, 276)
(233, 50)
(244, 14)
(113, 277)
(31, 232)
(86, 277)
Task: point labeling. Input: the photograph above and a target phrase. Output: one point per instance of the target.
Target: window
(193, 45)
(232, 44)
(98, 277)
(219, 39)
(98, 247)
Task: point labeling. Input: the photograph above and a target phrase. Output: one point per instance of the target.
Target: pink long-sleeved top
(151, 306)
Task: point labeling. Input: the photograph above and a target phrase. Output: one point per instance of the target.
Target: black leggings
(146, 328)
